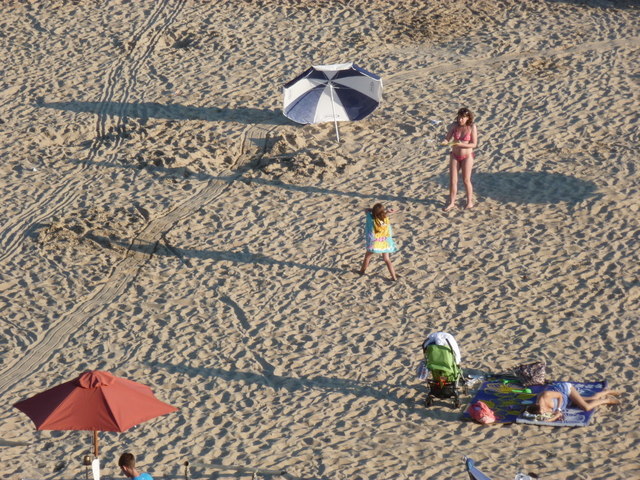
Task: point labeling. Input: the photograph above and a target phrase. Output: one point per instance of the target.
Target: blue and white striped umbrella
(332, 93)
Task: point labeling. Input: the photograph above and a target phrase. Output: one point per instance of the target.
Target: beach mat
(508, 401)
(573, 417)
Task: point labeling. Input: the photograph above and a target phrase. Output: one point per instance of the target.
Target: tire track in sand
(120, 82)
(125, 272)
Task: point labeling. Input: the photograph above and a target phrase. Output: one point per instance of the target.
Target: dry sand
(163, 221)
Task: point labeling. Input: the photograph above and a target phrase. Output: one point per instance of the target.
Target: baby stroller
(442, 361)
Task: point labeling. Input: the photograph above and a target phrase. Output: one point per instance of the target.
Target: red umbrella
(97, 401)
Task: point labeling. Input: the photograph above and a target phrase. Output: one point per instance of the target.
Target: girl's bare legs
(589, 403)
(387, 260)
(365, 262)
(453, 183)
(467, 166)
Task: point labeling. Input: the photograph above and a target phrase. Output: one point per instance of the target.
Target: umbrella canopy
(97, 401)
(332, 93)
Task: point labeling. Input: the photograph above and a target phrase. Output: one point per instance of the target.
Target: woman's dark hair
(465, 112)
(534, 409)
(379, 212)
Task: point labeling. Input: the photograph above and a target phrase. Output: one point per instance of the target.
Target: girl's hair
(465, 112)
(379, 212)
(534, 409)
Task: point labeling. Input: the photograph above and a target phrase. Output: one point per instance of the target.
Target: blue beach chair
(474, 473)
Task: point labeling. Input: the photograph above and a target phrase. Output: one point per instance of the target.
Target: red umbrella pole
(95, 443)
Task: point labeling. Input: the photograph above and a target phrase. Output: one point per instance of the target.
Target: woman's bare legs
(467, 166)
(602, 394)
(589, 403)
(387, 260)
(453, 182)
(365, 262)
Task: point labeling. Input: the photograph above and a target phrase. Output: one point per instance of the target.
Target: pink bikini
(457, 136)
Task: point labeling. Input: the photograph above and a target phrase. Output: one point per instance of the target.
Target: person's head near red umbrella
(127, 464)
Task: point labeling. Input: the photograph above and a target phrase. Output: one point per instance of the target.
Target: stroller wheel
(456, 403)
(428, 402)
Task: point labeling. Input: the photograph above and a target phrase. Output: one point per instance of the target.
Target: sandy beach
(165, 222)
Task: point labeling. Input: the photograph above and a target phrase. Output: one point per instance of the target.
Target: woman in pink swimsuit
(465, 134)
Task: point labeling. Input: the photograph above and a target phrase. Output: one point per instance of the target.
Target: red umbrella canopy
(97, 401)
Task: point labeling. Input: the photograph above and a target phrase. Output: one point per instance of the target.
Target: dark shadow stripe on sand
(146, 110)
(528, 187)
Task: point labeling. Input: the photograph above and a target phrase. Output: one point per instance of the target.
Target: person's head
(378, 212)
(534, 409)
(127, 463)
(464, 117)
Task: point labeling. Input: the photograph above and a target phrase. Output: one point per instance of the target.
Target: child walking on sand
(378, 237)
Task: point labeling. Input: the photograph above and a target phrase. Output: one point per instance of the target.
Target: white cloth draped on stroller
(441, 338)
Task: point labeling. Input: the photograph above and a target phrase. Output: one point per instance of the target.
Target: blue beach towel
(511, 400)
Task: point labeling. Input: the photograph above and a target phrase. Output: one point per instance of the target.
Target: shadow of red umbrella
(95, 401)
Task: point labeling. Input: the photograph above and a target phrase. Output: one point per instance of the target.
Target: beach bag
(481, 413)
(531, 373)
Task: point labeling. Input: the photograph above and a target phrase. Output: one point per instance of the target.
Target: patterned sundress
(378, 235)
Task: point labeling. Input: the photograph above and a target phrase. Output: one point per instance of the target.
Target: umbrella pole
(95, 443)
(333, 108)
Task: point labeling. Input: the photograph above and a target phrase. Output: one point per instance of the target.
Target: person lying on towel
(556, 397)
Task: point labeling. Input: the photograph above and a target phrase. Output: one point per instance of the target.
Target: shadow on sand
(162, 248)
(614, 4)
(185, 173)
(529, 187)
(268, 379)
(146, 110)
